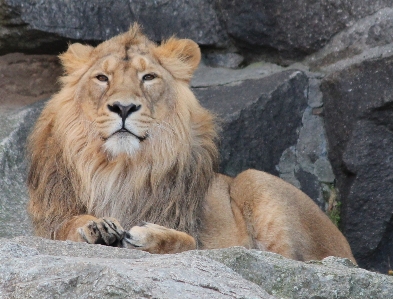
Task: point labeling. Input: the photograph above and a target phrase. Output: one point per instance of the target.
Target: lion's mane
(165, 184)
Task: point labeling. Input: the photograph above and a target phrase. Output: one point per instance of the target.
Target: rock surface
(39, 268)
(294, 28)
(284, 29)
(250, 111)
(14, 130)
(44, 29)
(359, 107)
(71, 270)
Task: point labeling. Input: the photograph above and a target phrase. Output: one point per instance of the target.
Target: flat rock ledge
(32, 267)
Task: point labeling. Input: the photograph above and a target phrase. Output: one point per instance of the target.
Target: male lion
(126, 142)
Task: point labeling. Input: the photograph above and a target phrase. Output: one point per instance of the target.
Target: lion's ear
(179, 56)
(75, 57)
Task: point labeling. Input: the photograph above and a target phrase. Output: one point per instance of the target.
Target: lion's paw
(154, 238)
(104, 231)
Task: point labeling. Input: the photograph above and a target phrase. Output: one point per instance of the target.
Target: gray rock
(256, 114)
(14, 130)
(282, 29)
(229, 60)
(368, 38)
(358, 107)
(314, 93)
(330, 278)
(305, 164)
(38, 268)
(75, 272)
(47, 25)
(206, 76)
(293, 28)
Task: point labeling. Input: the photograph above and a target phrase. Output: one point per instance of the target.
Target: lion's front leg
(154, 238)
(92, 230)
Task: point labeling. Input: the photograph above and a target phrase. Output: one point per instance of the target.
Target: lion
(124, 155)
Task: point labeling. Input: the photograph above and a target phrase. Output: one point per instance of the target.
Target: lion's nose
(123, 111)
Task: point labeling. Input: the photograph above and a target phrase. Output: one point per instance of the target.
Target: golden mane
(70, 174)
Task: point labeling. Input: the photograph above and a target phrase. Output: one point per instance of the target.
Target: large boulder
(279, 30)
(368, 38)
(359, 107)
(14, 130)
(294, 28)
(271, 121)
(83, 271)
(255, 113)
(39, 268)
(46, 26)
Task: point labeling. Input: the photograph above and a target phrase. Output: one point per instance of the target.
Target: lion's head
(125, 137)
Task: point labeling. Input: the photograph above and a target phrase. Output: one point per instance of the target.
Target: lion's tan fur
(80, 170)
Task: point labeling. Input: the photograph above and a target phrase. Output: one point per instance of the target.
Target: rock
(256, 114)
(278, 30)
(48, 25)
(292, 28)
(229, 60)
(368, 38)
(259, 105)
(14, 130)
(39, 268)
(330, 278)
(206, 76)
(74, 271)
(358, 114)
(25, 79)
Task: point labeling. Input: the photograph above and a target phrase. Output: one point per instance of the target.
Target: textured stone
(256, 115)
(86, 271)
(206, 76)
(358, 106)
(47, 25)
(38, 268)
(370, 37)
(330, 278)
(229, 60)
(280, 29)
(14, 130)
(305, 164)
(294, 28)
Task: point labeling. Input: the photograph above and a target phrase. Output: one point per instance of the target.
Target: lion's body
(126, 138)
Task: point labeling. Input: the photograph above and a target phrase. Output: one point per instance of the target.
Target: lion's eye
(149, 77)
(102, 78)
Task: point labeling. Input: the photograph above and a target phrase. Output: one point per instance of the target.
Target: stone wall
(39, 268)
(303, 88)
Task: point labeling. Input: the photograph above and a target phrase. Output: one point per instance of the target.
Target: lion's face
(127, 87)
(126, 99)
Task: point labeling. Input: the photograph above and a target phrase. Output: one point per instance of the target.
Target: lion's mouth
(125, 131)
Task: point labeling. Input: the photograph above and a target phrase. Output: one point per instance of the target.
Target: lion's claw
(105, 231)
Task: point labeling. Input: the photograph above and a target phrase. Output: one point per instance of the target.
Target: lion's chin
(119, 144)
